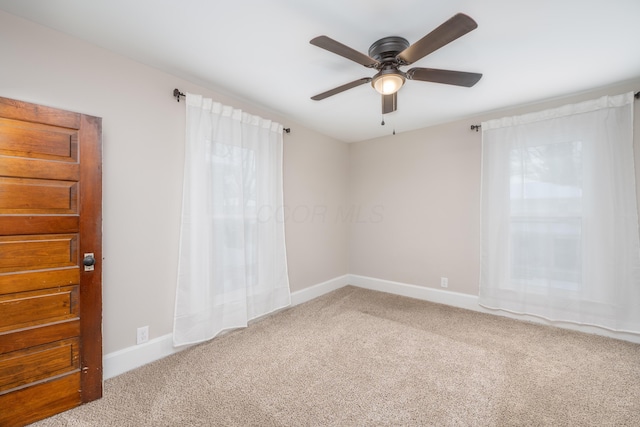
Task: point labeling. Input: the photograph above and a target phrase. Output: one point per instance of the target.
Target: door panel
(26, 405)
(39, 363)
(18, 138)
(50, 216)
(23, 338)
(38, 196)
(25, 167)
(30, 309)
(20, 253)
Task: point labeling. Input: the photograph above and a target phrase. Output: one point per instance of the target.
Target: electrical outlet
(444, 282)
(143, 335)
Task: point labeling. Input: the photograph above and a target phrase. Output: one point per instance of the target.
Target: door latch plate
(88, 262)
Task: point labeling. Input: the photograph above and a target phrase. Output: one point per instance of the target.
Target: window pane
(546, 180)
(547, 252)
(546, 215)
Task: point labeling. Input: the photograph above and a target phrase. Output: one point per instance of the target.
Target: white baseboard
(470, 302)
(307, 294)
(455, 299)
(124, 360)
(121, 361)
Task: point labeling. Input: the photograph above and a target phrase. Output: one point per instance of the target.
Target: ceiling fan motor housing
(386, 49)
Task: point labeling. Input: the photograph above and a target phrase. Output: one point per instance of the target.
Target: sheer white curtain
(232, 264)
(559, 215)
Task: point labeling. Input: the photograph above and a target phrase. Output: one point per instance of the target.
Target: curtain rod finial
(177, 94)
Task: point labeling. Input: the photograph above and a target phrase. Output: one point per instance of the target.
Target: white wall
(316, 170)
(143, 146)
(427, 183)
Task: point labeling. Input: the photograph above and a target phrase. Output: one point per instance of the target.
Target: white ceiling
(258, 50)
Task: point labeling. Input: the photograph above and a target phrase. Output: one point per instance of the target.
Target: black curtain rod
(477, 127)
(177, 94)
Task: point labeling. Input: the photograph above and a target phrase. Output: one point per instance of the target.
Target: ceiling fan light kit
(388, 54)
(388, 83)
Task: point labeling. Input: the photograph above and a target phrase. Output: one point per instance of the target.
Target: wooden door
(50, 217)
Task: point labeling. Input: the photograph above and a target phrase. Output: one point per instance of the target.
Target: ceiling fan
(389, 53)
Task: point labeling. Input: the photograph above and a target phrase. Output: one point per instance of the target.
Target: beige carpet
(361, 358)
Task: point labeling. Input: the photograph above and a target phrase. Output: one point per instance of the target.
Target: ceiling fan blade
(458, 78)
(344, 51)
(342, 88)
(389, 103)
(455, 27)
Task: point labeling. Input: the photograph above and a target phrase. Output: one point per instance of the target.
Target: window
(232, 264)
(546, 215)
(559, 215)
